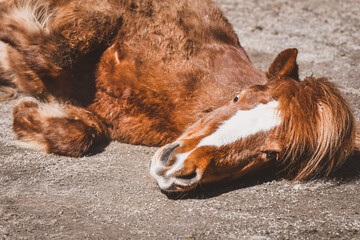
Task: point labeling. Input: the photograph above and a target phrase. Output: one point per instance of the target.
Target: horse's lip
(178, 188)
(189, 182)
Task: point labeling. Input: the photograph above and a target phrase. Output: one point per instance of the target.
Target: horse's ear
(285, 65)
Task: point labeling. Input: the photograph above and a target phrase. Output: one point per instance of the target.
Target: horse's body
(143, 72)
(157, 63)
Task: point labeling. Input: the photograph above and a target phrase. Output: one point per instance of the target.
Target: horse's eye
(271, 155)
(236, 99)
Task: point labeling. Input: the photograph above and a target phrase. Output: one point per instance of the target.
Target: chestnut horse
(156, 72)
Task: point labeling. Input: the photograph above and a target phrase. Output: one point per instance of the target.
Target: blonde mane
(318, 130)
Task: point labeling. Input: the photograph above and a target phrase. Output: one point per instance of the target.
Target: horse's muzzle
(165, 166)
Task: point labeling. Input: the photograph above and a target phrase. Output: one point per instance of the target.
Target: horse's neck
(214, 88)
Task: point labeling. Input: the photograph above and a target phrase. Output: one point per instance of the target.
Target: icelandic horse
(170, 74)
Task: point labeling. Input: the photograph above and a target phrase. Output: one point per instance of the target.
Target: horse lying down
(170, 74)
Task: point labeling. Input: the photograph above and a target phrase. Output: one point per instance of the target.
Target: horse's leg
(15, 73)
(39, 41)
(6, 75)
(32, 49)
(57, 128)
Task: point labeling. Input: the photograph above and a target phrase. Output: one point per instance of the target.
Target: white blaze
(244, 123)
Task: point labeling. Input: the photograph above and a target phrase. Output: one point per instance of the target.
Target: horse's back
(169, 64)
(148, 69)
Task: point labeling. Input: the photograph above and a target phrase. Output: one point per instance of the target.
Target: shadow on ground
(348, 172)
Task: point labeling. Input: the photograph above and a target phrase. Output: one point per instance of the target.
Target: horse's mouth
(187, 176)
(162, 170)
(175, 183)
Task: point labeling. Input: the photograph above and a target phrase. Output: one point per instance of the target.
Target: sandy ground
(111, 195)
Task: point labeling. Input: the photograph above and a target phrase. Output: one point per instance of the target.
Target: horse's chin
(178, 188)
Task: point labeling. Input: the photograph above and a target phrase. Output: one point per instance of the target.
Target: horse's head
(305, 127)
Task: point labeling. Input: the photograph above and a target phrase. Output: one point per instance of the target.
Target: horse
(165, 73)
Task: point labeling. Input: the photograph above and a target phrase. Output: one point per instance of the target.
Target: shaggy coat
(145, 71)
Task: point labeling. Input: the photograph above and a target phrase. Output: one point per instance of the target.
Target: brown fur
(147, 69)
(357, 138)
(316, 136)
(142, 72)
(55, 128)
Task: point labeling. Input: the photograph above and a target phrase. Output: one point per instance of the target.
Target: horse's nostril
(165, 155)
